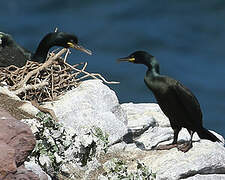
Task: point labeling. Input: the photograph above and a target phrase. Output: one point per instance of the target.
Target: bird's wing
(189, 102)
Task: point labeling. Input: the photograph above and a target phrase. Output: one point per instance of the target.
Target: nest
(47, 81)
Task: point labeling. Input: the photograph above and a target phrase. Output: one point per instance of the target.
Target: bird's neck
(153, 67)
(152, 72)
(42, 51)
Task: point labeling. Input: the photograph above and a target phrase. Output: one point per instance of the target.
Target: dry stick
(70, 77)
(53, 52)
(67, 53)
(63, 78)
(93, 75)
(34, 86)
(35, 79)
(52, 87)
(83, 77)
(28, 87)
(42, 109)
(47, 63)
(22, 74)
(49, 95)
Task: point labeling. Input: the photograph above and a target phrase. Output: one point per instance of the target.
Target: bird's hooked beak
(80, 48)
(126, 59)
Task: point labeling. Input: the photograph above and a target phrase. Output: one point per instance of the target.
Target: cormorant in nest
(13, 54)
(176, 101)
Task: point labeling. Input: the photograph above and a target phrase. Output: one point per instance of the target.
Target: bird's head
(66, 40)
(142, 57)
(138, 57)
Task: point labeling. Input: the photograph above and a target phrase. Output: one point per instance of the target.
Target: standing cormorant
(176, 101)
(13, 54)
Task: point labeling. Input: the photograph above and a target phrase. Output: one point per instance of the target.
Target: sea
(186, 37)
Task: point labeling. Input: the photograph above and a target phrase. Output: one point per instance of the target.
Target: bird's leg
(171, 145)
(187, 146)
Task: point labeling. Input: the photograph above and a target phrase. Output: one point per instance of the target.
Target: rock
(205, 157)
(202, 158)
(90, 117)
(29, 108)
(207, 177)
(7, 159)
(17, 108)
(6, 91)
(141, 114)
(22, 174)
(37, 170)
(70, 153)
(16, 142)
(91, 104)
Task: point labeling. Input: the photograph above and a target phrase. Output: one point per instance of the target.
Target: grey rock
(37, 170)
(22, 174)
(207, 177)
(205, 157)
(91, 104)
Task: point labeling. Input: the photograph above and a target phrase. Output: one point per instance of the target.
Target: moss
(118, 169)
(60, 149)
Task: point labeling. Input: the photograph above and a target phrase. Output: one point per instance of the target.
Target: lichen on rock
(60, 149)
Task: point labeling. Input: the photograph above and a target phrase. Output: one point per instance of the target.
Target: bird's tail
(205, 134)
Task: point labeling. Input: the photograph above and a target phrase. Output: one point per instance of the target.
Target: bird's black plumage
(12, 53)
(176, 101)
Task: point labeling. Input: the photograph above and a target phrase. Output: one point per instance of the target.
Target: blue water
(187, 37)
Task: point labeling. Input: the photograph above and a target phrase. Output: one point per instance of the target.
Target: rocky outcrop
(22, 174)
(91, 118)
(91, 104)
(205, 158)
(16, 143)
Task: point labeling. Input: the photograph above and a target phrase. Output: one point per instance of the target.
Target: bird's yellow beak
(80, 48)
(128, 59)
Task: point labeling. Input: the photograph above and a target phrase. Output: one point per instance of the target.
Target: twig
(93, 75)
(47, 81)
(52, 77)
(67, 53)
(28, 87)
(48, 62)
(46, 110)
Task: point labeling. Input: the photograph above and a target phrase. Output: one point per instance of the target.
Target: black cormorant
(13, 54)
(176, 101)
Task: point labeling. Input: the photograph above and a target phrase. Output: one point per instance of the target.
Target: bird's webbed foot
(166, 146)
(185, 147)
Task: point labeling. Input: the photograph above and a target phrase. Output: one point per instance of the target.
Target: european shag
(176, 101)
(12, 53)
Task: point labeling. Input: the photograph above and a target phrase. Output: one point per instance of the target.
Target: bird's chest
(161, 91)
(158, 87)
